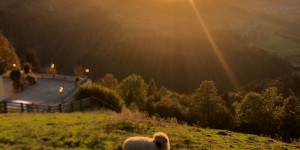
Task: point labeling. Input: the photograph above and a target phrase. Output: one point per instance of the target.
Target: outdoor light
(52, 66)
(14, 65)
(87, 70)
(61, 89)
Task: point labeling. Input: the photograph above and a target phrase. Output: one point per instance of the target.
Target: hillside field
(108, 130)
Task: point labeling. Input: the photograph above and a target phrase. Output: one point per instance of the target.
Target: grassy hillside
(156, 39)
(108, 130)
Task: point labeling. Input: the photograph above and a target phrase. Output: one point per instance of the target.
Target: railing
(52, 76)
(79, 105)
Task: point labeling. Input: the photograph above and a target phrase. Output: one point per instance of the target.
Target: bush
(103, 93)
(17, 85)
(27, 68)
(31, 79)
(15, 75)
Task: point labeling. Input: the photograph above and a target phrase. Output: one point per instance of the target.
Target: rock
(222, 133)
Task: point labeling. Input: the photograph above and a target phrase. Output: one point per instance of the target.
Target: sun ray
(215, 47)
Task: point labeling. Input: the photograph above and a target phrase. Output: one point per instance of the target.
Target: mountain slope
(156, 39)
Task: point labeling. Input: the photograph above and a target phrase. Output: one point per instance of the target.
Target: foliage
(290, 124)
(250, 114)
(109, 81)
(31, 79)
(79, 71)
(134, 89)
(271, 106)
(17, 85)
(8, 53)
(50, 69)
(32, 59)
(15, 75)
(152, 89)
(27, 68)
(103, 93)
(208, 108)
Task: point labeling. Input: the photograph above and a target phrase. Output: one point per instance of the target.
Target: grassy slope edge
(108, 130)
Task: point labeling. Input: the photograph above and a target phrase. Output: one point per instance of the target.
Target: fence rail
(51, 76)
(79, 105)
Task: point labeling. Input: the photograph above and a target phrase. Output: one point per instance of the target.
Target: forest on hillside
(148, 38)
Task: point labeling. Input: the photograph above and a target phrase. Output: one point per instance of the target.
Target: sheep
(160, 141)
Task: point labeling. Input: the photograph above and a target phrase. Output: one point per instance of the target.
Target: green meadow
(108, 130)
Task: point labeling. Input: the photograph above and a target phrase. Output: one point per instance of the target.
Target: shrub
(31, 79)
(17, 85)
(15, 75)
(27, 68)
(77, 81)
(103, 93)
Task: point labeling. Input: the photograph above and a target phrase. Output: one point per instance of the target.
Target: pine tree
(152, 89)
(208, 107)
(31, 58)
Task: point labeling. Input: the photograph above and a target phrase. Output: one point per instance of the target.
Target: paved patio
(45, 92)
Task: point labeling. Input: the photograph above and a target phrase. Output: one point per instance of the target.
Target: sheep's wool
(144, 143)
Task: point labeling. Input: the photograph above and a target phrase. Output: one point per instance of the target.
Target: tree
(79, 71)
(133, 89)
(15, 76)
(152, 89)
(208, 107)
(8, 53)
(249, 113)
(290, 114)
(109, 81)
(27, 68)
(31, 58)
(272, 103)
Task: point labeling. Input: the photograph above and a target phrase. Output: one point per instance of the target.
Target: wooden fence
(79, 105)
(51, 76)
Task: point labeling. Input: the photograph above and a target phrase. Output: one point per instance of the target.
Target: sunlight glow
(216, 49)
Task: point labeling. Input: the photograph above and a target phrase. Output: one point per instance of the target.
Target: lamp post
(87, 71)
(61, 89)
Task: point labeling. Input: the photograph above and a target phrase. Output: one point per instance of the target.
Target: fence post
(59, 106)
(5, 106)
(37, 108)
(72, 107)
(22, 107)
(49, 109)
(80, 105)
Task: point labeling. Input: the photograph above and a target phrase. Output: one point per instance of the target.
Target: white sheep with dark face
(160, 141)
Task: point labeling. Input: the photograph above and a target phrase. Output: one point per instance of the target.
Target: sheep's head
(161, 141)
